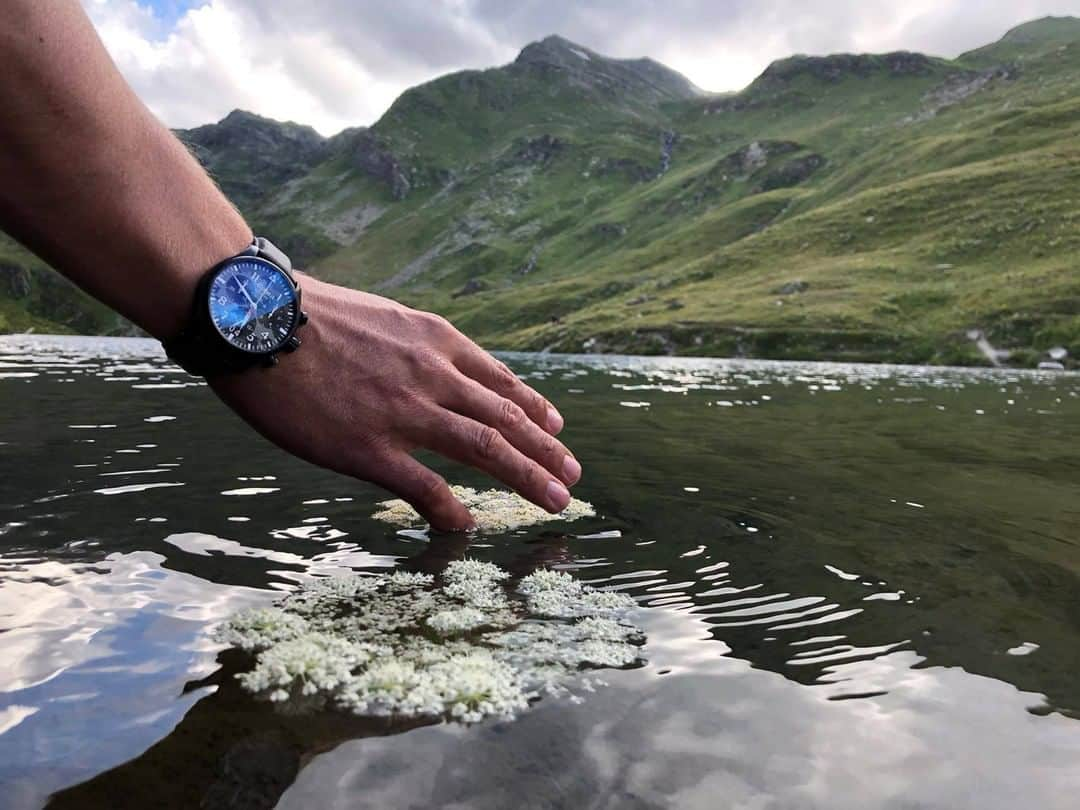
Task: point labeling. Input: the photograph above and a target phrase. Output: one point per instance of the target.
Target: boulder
(14, 280)
(471, 287)
(792, 287)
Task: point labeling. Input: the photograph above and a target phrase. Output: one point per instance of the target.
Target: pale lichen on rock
(465, 645)
(494, 511)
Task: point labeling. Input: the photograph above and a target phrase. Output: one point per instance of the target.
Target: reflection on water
(859, 586)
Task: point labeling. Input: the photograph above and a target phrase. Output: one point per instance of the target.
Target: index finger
(422, 488)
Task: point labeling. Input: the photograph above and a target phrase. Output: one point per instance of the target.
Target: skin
(99, 188)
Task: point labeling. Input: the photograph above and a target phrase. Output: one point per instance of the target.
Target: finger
(494, 374)
(482, 446)
(423, 489)
(469, 398)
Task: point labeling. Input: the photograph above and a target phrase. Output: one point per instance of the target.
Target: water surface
(859, 583)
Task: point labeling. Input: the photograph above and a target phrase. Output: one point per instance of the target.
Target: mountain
(1030, 40)
(849, 206)
(250, 154)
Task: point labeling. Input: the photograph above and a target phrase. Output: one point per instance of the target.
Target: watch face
(253, 305)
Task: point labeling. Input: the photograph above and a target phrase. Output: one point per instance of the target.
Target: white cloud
(338, 63)
(222, 56)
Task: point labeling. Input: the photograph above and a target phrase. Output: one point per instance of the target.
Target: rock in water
(494, 510)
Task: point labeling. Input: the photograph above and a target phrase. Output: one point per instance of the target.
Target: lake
(859, 586)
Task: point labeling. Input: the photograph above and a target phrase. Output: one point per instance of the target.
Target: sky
(339, 63)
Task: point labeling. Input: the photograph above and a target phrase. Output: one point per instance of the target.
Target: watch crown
(292, 344)
(303, 318)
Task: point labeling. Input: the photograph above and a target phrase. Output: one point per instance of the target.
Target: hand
(375, 381)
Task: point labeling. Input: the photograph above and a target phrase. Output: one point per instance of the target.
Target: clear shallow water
(859, 584)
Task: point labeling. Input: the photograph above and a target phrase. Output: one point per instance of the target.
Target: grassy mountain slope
(851, 206)
(34, 298)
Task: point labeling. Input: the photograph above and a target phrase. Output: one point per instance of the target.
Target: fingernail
(571, 469)
(558, 496)
(554, 420)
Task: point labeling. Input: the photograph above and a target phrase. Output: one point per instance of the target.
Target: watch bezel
(284, 340)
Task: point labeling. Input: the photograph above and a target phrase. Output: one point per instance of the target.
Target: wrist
(184, 262)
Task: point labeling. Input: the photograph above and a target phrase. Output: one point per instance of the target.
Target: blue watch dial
(253, 305)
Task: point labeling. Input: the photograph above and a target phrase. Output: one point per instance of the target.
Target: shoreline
(600, 358)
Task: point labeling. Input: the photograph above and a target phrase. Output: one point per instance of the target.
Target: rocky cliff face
(14, 280)
(798, 80)
(841, 66)
(960, 86)
(365, 151)
(253, 155)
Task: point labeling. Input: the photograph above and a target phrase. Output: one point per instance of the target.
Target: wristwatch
(246, 311)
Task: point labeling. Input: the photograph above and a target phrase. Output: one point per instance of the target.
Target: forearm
(92, 182)
(103, 192)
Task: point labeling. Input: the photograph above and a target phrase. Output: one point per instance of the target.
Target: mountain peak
(1044, 29)
(243, 121)
(239, 116)
(254, 153)
(1029, 40)
(585, 66)
(555, 50)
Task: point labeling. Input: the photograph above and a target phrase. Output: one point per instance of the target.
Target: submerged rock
(465, 646)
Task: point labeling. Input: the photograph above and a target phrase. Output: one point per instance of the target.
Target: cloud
(338, 63)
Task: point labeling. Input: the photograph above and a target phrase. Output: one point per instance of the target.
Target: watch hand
(243, 289)
(266, 289)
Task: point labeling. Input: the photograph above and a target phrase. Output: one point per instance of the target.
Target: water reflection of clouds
(97, 655)
(714, 732)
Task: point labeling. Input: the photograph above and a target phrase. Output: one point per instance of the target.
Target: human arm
(100, 189)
